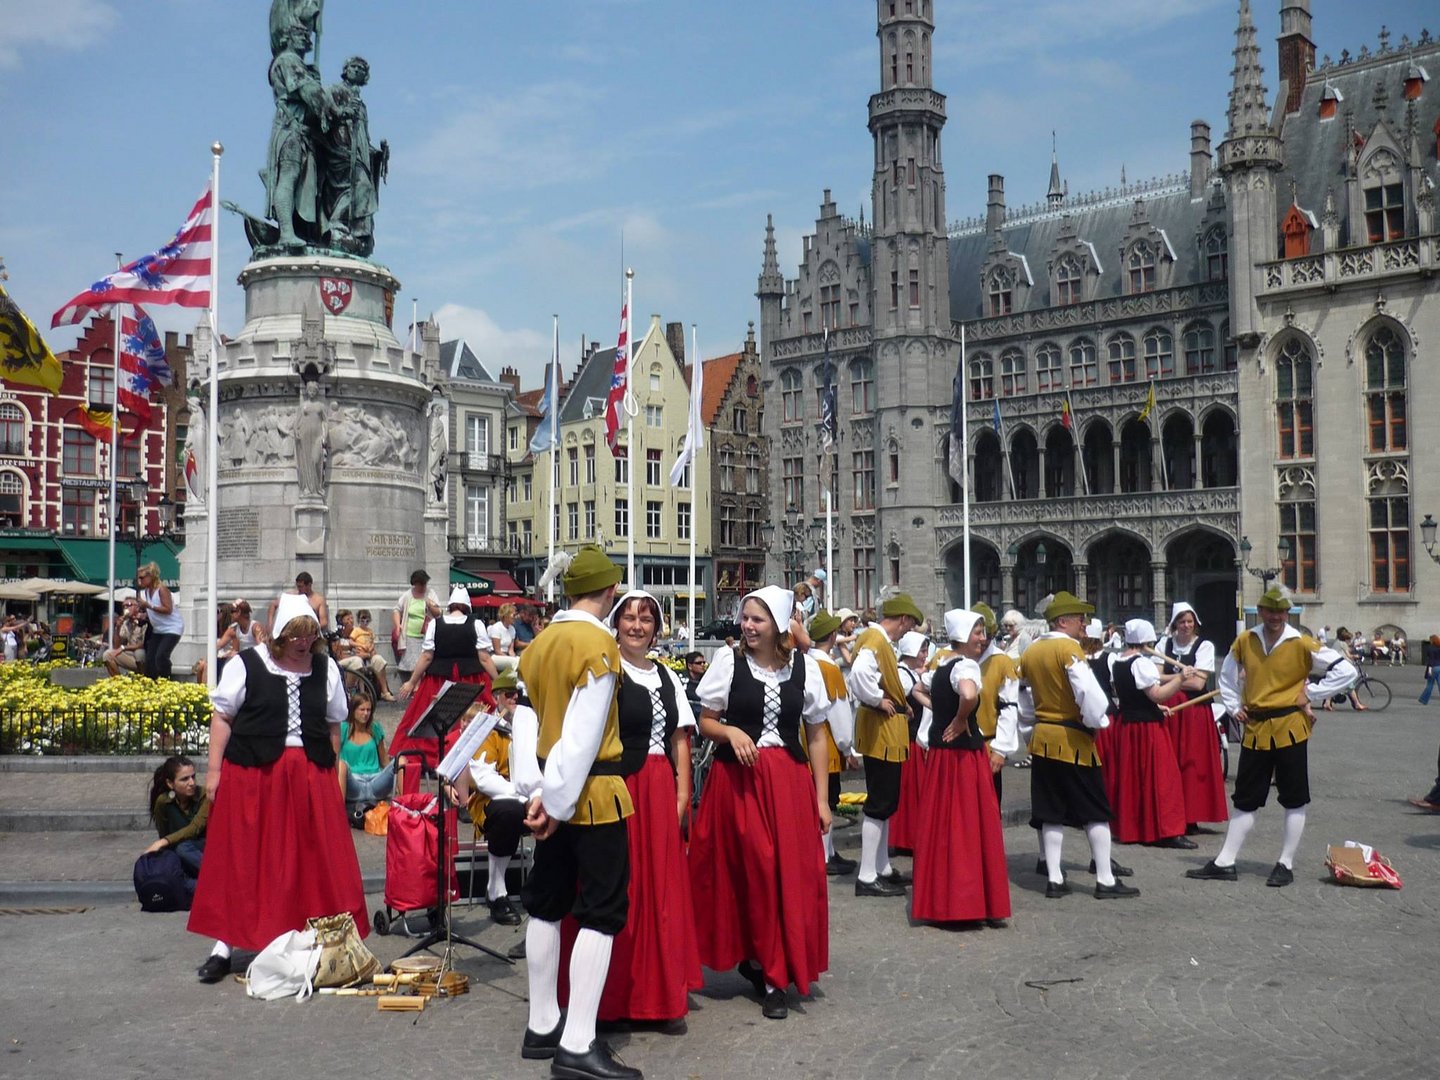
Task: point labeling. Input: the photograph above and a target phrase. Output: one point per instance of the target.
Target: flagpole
(965, 458)
(115, 462)
(212, 429)
(695, 381)
(630, 411)
(552, 521)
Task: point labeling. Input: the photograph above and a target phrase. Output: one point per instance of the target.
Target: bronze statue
(353, 168)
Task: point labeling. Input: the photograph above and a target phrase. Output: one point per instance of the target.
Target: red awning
(505, 585)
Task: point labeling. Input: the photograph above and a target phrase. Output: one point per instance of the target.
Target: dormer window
(1415, 79)
(1299, 223)
(1330, 100)
(1001, 293)
(1216, 255)
(1385, 212)
(1141, 267)
(1069, 282)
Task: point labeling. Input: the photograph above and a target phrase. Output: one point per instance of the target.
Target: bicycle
(1372, 693)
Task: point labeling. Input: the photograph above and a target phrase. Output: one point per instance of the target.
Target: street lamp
(165, 507)
(1267, 573)
(1427, 537)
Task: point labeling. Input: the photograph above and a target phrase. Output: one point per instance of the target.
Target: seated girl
(367, 773)
(179, 809)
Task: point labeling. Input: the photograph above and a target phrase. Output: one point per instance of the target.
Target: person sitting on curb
(179, 810)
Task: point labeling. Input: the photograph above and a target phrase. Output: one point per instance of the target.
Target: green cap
(901, 604)
(823, 624)
(590, 571)
(1065, 603)
(1275, 598)
(506, 680)
(991, 622)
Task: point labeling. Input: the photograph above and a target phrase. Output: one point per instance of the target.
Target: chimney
(675, 338)
(511, 378)
(1297, 50)
(995, 203)
(1199, 158)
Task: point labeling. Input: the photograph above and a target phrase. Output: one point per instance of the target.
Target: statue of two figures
(322, 176)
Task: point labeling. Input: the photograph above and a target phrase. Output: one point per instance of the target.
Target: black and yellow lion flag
(24, 356)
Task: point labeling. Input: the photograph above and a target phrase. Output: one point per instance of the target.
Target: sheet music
(465, 746)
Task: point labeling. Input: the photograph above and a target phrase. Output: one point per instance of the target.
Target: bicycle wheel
(700, 762)
(1373, 694)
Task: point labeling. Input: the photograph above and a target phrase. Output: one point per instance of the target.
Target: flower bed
(132, 715)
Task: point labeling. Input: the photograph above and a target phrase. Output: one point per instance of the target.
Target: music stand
(450, 704)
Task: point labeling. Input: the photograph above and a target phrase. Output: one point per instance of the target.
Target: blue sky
(527, 137)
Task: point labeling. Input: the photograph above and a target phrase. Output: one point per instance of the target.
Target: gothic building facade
(1169, 388)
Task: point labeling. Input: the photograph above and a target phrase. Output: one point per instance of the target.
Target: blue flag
(999, 427)
(547, 435)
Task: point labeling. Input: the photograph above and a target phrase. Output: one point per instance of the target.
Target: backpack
(161, 883)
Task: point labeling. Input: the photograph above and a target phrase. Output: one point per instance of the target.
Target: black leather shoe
(1211, 872)
(837, 865)
(1054, 890)
(996, 924)
(502, 911)
(1281, 876)
(597, 1063)
(896, 877)
(213, 969)
(1181, 842)
(1115, 868)
(774, 1006)
(878, 887)
(542, 1047)
(1041, 868)
(751, 973)
(1119, 889)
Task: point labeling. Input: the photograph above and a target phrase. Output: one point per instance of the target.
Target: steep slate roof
(592, 384)
(1102, 223)
(460, 362)
(1315, 149)
(719, 374)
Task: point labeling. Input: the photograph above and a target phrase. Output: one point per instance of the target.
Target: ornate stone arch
(1085, 541)
(1360, 335)
(1271, 343)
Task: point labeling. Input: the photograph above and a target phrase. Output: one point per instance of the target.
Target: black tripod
(444, 714)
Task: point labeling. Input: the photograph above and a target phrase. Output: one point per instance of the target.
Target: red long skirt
(1197, 752)
(1108, 751)
(278, 851)
(420, 701)
(654, 962)
(757, 863)
(1147, 804)
(913, 778)
(960, 869)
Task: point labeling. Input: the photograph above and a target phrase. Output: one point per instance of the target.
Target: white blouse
(650, 681)
(229, 694)
(714, 690)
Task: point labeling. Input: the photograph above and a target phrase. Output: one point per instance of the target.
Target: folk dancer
(1192, 727)
(577, 807)
(911, 650)
(882, 736)
(1264, 685)
(839, 727)
(960, 868)
(1066, 706)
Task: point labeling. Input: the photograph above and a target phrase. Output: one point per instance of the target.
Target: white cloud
(31, 27)
(525, 349)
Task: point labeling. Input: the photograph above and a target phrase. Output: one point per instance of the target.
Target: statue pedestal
(311, 529)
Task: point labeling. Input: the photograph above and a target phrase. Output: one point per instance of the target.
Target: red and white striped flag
(619, 379)
(132, 390)
(179, 273)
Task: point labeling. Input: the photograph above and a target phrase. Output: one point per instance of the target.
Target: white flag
(695, 431)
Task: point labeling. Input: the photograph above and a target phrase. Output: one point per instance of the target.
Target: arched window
(1217, 257)
(1294, 399)
(862, 386)
(752, 469)
(1069, 281)
(1219, 456)
(1140, 264)
(982, 378)
(1388, 495)
(1177, 449)
(727, 469)
(12, 430)
(1047, 368)
(1159, 354)
(1198, 341)
(1385, 404)
(1084, 368)
(1297, 525)
(1025, 465)
(1012, 372)
(1098, 454)
(792, 401)
(1059, 463)
(1000, 288)
(1135, 456)
(1121, 350)
(988, 467)
(1384, 186)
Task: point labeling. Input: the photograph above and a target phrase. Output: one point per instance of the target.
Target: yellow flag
(1149, 403)
(24, 356)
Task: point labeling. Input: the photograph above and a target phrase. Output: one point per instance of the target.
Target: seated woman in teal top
(367, 774)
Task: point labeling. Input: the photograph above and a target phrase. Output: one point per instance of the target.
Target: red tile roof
(719, 374)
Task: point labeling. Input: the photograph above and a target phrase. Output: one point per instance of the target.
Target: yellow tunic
(1275, 682)
(558, 661)
(1060, 733)
(835, 688)
(496, 750)
(997, 669)
(878, 735)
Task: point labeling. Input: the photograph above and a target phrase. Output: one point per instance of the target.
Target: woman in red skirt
(911, 649)
(456, 649)
(1149, 806)
(654, 962)
(1192, 727)
(755, 855)
(960, 869)
(278, 849)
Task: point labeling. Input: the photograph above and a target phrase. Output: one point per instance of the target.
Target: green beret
(823, 624)
(901, 604)
(590, 571)
(1065, 603)
(1275, 598)
(983, 610)
(505, 680)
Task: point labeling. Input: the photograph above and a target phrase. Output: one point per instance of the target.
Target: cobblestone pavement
(1193, 979)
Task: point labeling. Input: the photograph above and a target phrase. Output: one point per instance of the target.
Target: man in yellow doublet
(839, 726)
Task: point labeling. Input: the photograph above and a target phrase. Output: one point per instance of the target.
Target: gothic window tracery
(1047, 368)
(1198, 342)
(792, 401)
(1385, 392)
(1297, 525)
(982, 377)
(1084, 367)
(1121, 353)
(1294, 398)
(1388, 495)
(1012, 372)
(1159, 354)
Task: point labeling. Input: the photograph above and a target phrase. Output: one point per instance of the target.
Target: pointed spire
(772, 262)
(772, 282)
(1056, 195)
(1248, 114)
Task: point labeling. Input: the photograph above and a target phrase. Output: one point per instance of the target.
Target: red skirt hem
(278, 851)
(1147, 804)
(757, 860)
(960, 870)
(1197, 752)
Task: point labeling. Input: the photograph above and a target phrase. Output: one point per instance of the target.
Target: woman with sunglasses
(166, 622)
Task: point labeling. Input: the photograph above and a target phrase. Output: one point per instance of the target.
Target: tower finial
(1056, 195)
